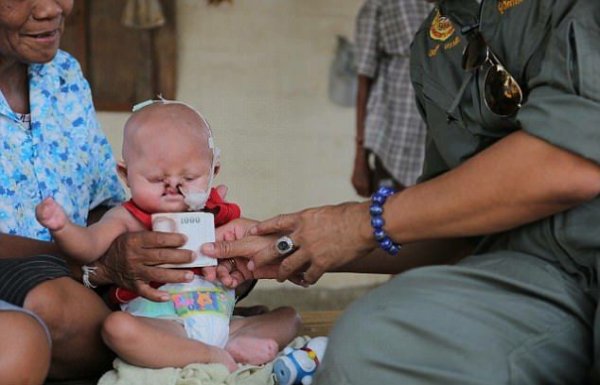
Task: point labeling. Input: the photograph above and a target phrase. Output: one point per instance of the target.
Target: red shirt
(222, 210)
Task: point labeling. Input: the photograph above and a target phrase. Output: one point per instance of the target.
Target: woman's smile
(44, 37)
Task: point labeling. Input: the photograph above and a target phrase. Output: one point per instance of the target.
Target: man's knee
(456, 319)
(347, 350)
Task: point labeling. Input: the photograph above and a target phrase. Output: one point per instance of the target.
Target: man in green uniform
(521, 309)
(510, 92)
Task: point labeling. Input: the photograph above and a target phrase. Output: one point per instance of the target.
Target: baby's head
(168, 154)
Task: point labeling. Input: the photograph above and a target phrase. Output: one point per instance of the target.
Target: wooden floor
(318, 323)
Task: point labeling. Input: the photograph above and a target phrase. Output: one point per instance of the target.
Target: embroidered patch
(455, 42)
(504, 5)
(214, 301)
(452, 43)
(441, 27)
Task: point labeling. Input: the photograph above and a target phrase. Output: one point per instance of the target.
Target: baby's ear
(122, 171)
(217, 161)
(222, 191)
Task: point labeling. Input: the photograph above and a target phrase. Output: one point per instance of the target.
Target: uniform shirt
(394, 131)
(62, 153)
(552, 50)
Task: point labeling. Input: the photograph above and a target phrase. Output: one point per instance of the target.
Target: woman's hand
(133, 258)
(324, 238)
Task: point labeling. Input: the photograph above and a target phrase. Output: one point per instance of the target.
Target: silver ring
(284, 245)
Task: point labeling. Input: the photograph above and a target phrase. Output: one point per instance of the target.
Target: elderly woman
(52, 146)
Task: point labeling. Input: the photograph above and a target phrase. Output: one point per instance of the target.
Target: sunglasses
(501, 92)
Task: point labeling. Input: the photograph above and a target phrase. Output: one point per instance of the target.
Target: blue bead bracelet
(377, 222)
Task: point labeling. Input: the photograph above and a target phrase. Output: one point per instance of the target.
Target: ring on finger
(284, 246)
(232, 262)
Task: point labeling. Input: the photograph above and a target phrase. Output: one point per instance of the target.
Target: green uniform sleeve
(563, 106)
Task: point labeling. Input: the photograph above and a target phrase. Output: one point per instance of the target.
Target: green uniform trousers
(498, 318)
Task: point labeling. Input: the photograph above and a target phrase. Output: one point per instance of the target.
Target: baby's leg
(257, 339)
(158, 343)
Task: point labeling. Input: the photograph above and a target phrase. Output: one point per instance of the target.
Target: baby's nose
(173, 182)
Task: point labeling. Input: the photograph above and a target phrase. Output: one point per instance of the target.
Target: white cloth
(194, 374)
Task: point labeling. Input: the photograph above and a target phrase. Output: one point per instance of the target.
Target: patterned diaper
(204, 308)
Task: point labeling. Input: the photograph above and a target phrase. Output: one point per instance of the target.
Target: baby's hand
(51, 215)
(225, 272)
(209, 273)
(220, 356)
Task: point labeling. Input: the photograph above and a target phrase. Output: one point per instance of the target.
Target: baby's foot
(51, 215)
(252, 350)
(220, 356)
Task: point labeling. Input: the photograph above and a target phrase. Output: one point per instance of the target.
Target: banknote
(199, 228)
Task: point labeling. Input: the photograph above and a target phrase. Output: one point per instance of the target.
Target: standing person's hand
(361, 174)
(133, 258)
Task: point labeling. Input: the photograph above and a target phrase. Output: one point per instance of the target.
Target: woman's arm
(14, 246)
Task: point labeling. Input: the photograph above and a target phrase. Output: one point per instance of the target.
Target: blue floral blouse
(61, 153)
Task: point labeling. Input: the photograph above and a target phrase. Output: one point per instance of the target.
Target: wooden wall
(123, 65)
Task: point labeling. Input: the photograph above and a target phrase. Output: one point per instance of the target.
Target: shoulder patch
(441, 27)
(504, 5)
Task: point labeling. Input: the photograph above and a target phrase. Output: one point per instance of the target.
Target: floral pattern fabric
(62, 153)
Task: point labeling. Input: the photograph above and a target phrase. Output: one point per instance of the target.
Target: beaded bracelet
(377, 222)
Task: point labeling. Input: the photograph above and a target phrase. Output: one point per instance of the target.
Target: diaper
(203, 308)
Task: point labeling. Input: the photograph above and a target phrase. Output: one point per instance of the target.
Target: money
(199, 228)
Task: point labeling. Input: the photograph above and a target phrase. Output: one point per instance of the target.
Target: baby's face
(166, 166)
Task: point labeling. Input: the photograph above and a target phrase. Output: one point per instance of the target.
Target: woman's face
(30, 30)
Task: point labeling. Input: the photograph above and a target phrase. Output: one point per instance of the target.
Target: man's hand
(231, 271)
(324, 238)
(133, 258)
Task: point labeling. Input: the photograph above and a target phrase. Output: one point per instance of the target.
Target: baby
(168, 164)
